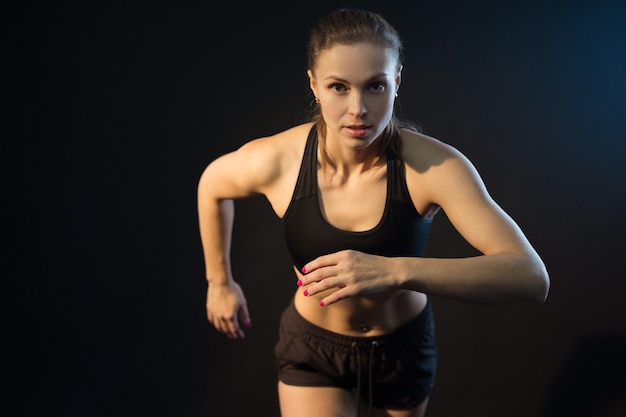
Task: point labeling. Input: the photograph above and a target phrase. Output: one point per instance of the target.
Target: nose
(357, 105)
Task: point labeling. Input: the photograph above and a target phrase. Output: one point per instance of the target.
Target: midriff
(361, 316)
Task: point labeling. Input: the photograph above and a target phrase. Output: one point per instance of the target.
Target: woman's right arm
(239, 174)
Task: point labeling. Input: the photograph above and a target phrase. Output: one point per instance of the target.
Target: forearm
(216, 221)
(225, 303)
(498, 279)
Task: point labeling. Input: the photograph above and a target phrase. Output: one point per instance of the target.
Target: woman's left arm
(508, 271)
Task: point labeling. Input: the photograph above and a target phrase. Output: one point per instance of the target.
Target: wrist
(219, 283)
(405, 273)
(219, 280)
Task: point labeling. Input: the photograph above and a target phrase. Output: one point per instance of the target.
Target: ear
(312, 82)
(399, 77)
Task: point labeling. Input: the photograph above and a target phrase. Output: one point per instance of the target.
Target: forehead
(359, 58)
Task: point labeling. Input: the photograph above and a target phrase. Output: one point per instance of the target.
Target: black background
(115, 108)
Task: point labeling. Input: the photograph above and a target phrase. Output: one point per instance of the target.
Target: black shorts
(398, 368)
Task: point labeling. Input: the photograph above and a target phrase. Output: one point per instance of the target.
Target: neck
(338, 156)
(346, 163)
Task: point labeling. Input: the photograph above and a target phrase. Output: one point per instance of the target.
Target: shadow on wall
(593, 382)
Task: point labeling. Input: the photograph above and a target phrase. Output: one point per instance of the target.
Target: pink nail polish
(304, 270)
(322, 303)
(248, 323)
(306, 292)
(299, 282)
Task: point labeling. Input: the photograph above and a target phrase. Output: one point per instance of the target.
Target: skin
(356, 86)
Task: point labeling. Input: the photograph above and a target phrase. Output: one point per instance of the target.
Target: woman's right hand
(225, 305)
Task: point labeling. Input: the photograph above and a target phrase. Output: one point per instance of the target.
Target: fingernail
(299, 282)
(304, 269)
(248, 323)
(306, 292)
(322, 303)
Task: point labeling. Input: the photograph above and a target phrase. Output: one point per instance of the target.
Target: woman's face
(356, 86)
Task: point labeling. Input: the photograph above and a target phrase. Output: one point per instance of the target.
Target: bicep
(472, 211)
(239, 174)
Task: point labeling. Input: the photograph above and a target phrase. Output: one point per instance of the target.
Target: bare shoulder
(270, 158)
(423, 153)
(257, 165)
(280, 147)
(437, 171)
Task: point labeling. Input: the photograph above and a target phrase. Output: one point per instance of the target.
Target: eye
(377, 87)
(338, 87)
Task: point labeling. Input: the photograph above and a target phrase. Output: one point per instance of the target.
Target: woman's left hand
(353, 272)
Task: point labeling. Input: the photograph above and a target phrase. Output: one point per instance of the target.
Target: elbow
(532, 282)
(540, 294)
(540, 287)
(545, 288)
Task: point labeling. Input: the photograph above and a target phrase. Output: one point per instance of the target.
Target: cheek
(331, 110)
(381, 106)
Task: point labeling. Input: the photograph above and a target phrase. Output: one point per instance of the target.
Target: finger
(330, 280)
(321, 274)
(245, 315)
(220, 325)
(227, 331)
(216, 323)
(225, 326)
(232, 329)
(334, 297)
(319, 262)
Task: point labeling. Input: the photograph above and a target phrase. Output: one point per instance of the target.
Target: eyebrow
(332, 77)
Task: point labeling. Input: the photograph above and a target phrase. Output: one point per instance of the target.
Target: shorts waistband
(310, 330)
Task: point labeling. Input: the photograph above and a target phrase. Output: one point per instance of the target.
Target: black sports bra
(402, 231)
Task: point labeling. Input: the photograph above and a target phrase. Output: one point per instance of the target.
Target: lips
(358, 131)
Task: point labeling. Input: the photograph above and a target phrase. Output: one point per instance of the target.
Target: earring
(317, 100)
(396, 94)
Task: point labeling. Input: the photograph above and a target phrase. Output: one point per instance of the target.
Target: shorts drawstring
(370, 366)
